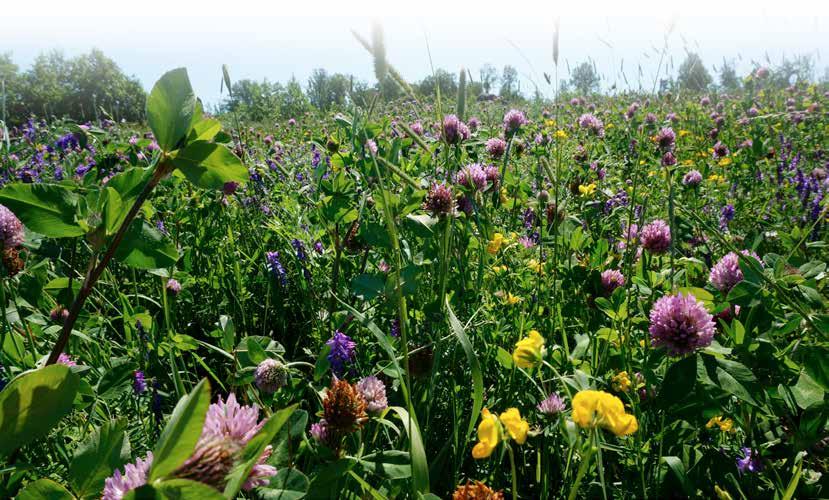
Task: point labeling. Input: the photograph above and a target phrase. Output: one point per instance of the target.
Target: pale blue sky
(276, 48)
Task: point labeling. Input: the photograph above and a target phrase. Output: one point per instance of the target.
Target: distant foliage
(585, 78)
(693, 76)
(89, 86)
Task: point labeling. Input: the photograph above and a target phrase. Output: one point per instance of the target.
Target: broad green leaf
(474, 366)
(44, 489)
(287, 484)
(807, 392)
(209, 165)
(114, 211)
(174, 489)
(105, 450)
(144, 247)
(129, 183)
(679, 381)
(254, 449)
(204, 130)
(180, 435)
(368, 286)
(33, 403)
(730, 385)
(170, 108)
(48, 209)
(393, 464)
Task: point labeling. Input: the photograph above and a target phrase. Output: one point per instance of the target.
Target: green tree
(692, 74)
(509, 83)
(489, 77)
(448, 83)
(585, 79)
(729, 81)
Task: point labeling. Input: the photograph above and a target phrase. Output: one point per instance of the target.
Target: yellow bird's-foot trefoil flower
(489, 435)
(593, 409)
(516, 427)
(528, 351)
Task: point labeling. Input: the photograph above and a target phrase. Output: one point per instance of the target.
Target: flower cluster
(680, 324)
(493, 430)
(593, 409)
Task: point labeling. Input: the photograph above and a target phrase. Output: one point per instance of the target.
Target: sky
(279, 40)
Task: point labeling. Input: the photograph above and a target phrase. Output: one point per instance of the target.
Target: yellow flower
(722, 494)
(588, 189)
(610, 125)
(511, 299)
(599, 408)
(683, 133)
(517, 427)
(725, 424)
(621, 382)
(489, 435)
(725, 162)
(716, 178)
(504, 198)
(494, 245)
(528, 350)
(499, 269)
(688, 163)
(535, 266)
(560, 134)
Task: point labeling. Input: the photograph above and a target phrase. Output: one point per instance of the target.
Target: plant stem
(95, 271)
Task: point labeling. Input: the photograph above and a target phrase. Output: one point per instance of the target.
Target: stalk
(95, 271)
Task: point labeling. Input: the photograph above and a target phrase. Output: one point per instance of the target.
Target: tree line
(92, 87)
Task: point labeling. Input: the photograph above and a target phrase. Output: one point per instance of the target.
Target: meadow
(598, 296)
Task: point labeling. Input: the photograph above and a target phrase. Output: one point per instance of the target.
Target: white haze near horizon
(279, 48)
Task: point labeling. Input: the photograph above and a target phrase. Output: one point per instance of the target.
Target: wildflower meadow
(418, 294)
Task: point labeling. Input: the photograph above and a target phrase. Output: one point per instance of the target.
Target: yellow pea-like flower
(489, 435)
(516, 427)
(593, 409)
(527, 352)
(588, 189)
(495, 244)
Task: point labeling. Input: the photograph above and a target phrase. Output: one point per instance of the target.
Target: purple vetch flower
(276, 268)
(134, 475)
(270, 376)
(656, 236)
(611, 280)
(342, 351)
(373, 390)
(300, 250)
(318, 247)
(692, 179)
(726, 216)
(551, 406)
(496, 147)
(395, 328)
(750, 461)
(439, 200)
(173, 287)
(11, 229)
(726, 272)
(64, 359)
(139, 382)
(513, 121)
(681, 324)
